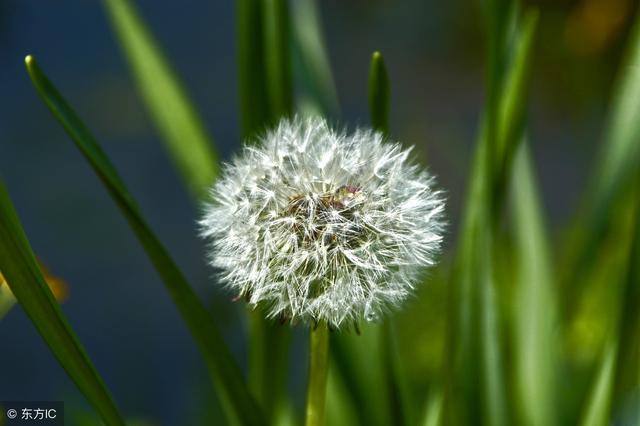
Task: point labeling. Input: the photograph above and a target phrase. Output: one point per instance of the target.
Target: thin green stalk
(396, 394)
(254, 105)
(277, 58)
(379, 93)
(318, 369)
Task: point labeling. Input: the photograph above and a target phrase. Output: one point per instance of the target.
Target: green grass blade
(628, 362)
(232, 390)
(394, 389)
(535, 302)
(477, 386)
(277, 58)
(27, 283)
(180, 127)
(433, 411)
(622, 142)
(599, 402)
(379, 93)
(266, 96)
(313, 58)
(513, 105)
(612, 178)
(254, 104)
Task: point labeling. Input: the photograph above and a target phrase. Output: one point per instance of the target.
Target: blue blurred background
(433, 51)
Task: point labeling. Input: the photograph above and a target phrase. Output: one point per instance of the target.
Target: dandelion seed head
(323, 226)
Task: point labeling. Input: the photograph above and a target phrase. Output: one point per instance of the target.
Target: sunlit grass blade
(7, 300)
(252, 79)
(598, 405)
(232, 390)
(433, 412)
(175, 117)
(535, 305)
(277, 57)
(22, 274)
(312, 57)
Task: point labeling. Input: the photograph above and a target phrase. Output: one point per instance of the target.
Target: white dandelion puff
(321, 226)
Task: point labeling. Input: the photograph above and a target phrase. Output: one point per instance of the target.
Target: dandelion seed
(321, 226)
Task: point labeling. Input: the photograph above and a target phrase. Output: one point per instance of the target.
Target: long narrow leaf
(27, 283)
(474, 287)
(313, 58)
(395, 386)
(277, 57)
(181, 128)
(254, 105)
(232, 390)
(535, 301)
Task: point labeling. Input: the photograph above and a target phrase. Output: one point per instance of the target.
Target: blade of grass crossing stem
(400, 408)
(180, 126)
(27, 283)
(277, 57)
(254, 105)
(512, 107)
(312, 56)
(535, 302)
(236, 400)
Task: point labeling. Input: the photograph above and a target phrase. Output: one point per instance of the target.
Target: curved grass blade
(536, 319)
(599, 401)
(312, 57)
(236, 400)
(613, 176)
(27, 283)
(180, 127)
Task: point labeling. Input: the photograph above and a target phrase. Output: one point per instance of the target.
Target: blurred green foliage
(517, 325)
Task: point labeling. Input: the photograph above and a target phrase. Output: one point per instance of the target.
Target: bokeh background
(434, 54)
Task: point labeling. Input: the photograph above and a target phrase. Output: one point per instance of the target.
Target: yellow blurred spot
(594, 24)
(57, 285)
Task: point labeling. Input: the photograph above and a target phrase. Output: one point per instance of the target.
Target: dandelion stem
(318, 367)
